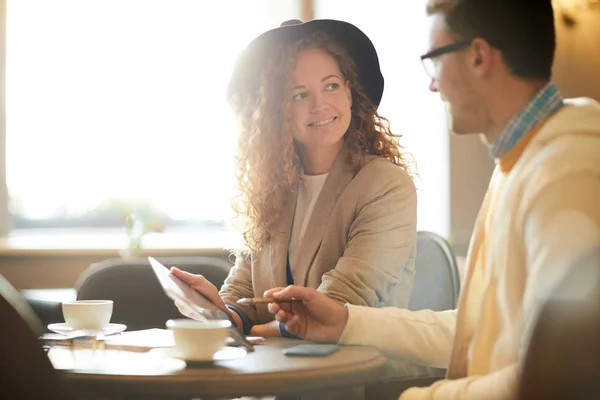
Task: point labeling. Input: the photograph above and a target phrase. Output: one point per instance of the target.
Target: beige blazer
(359, 246)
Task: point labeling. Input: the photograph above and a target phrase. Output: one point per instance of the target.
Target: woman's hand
(202, 286)
(317, 318)
(269, 329)
(208, 290)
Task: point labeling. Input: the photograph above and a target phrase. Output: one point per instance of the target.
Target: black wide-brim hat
(253, 58)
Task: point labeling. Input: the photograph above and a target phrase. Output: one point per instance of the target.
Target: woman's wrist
(284, 332)
(237, 320)
(270, 329)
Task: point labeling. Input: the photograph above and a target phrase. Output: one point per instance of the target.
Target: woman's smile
(322, 123)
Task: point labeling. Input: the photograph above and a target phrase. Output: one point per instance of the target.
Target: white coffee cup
(87, 314)
(198, 340)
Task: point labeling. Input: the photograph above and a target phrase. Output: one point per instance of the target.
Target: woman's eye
(299, 96)
(332, 86)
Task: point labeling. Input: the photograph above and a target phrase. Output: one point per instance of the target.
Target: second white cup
(87, 314)
(196, 340)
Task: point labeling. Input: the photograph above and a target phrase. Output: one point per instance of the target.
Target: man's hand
(317, 318)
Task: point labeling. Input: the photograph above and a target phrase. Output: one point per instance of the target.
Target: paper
(155, 338)
(144, 339)
(138, 341)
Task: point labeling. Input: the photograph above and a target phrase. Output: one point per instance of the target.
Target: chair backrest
(437, 282)
(25, 370)
(562, 359)
(15, 299)
(139, 300)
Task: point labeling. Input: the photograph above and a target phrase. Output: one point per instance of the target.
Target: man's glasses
(428, 59)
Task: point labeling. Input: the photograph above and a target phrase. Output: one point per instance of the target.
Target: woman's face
(320, 100)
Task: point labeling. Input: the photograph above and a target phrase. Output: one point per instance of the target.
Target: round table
(264, 372)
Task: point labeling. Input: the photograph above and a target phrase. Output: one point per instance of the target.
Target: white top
(308, 192)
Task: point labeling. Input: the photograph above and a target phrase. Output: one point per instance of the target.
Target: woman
(325, 193)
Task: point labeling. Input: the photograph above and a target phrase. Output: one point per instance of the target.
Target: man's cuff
(354, 324)
(285, 333)
(246, 323)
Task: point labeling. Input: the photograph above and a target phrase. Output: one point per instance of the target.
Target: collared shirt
(545, 103)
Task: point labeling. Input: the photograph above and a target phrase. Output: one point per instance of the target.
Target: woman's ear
(349, 91)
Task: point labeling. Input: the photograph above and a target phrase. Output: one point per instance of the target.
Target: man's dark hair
(523, 30)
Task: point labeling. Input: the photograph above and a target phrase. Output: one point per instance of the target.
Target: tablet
(176, 289)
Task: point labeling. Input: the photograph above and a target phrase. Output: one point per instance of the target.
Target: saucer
(64, 329)
(226, 353)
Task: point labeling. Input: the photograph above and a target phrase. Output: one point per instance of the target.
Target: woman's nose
(319, 103)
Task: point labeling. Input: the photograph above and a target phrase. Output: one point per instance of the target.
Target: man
(491, 62)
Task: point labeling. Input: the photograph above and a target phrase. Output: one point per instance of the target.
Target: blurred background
(115, 115)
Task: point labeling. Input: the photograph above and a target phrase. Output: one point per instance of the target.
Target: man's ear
(482, 56)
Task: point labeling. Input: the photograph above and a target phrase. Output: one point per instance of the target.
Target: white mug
(198, 340)
(87, 314)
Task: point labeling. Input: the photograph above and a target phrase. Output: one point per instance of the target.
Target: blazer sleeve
(238, 285)
(381, 240)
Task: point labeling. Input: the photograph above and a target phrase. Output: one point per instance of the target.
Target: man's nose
(433, 86)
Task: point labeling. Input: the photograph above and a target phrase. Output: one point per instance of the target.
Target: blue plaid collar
(545, 103)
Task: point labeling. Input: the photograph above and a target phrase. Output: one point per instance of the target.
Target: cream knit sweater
(541, 210)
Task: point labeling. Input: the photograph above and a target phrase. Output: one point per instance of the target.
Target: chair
(436, 287)
(47, 303)
(437, 282)
(562, 360)
(139, 300)
(25, 371)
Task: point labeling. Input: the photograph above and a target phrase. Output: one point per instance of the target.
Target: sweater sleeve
(497, 386)
(562, 222)
(424, 337)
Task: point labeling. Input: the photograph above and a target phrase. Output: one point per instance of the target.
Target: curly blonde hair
(268, 165)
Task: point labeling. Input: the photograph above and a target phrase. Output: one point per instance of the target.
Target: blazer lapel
(278, 244)
(337, 180)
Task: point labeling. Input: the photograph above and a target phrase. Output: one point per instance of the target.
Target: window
(119, 103)
(399, 31)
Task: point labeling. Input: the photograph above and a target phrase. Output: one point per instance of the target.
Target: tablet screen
(178, 290)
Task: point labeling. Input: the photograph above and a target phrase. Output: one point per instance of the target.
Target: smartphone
(311, 350)
(176, 289)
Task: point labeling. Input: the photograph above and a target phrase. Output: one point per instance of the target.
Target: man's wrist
(344, 317)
